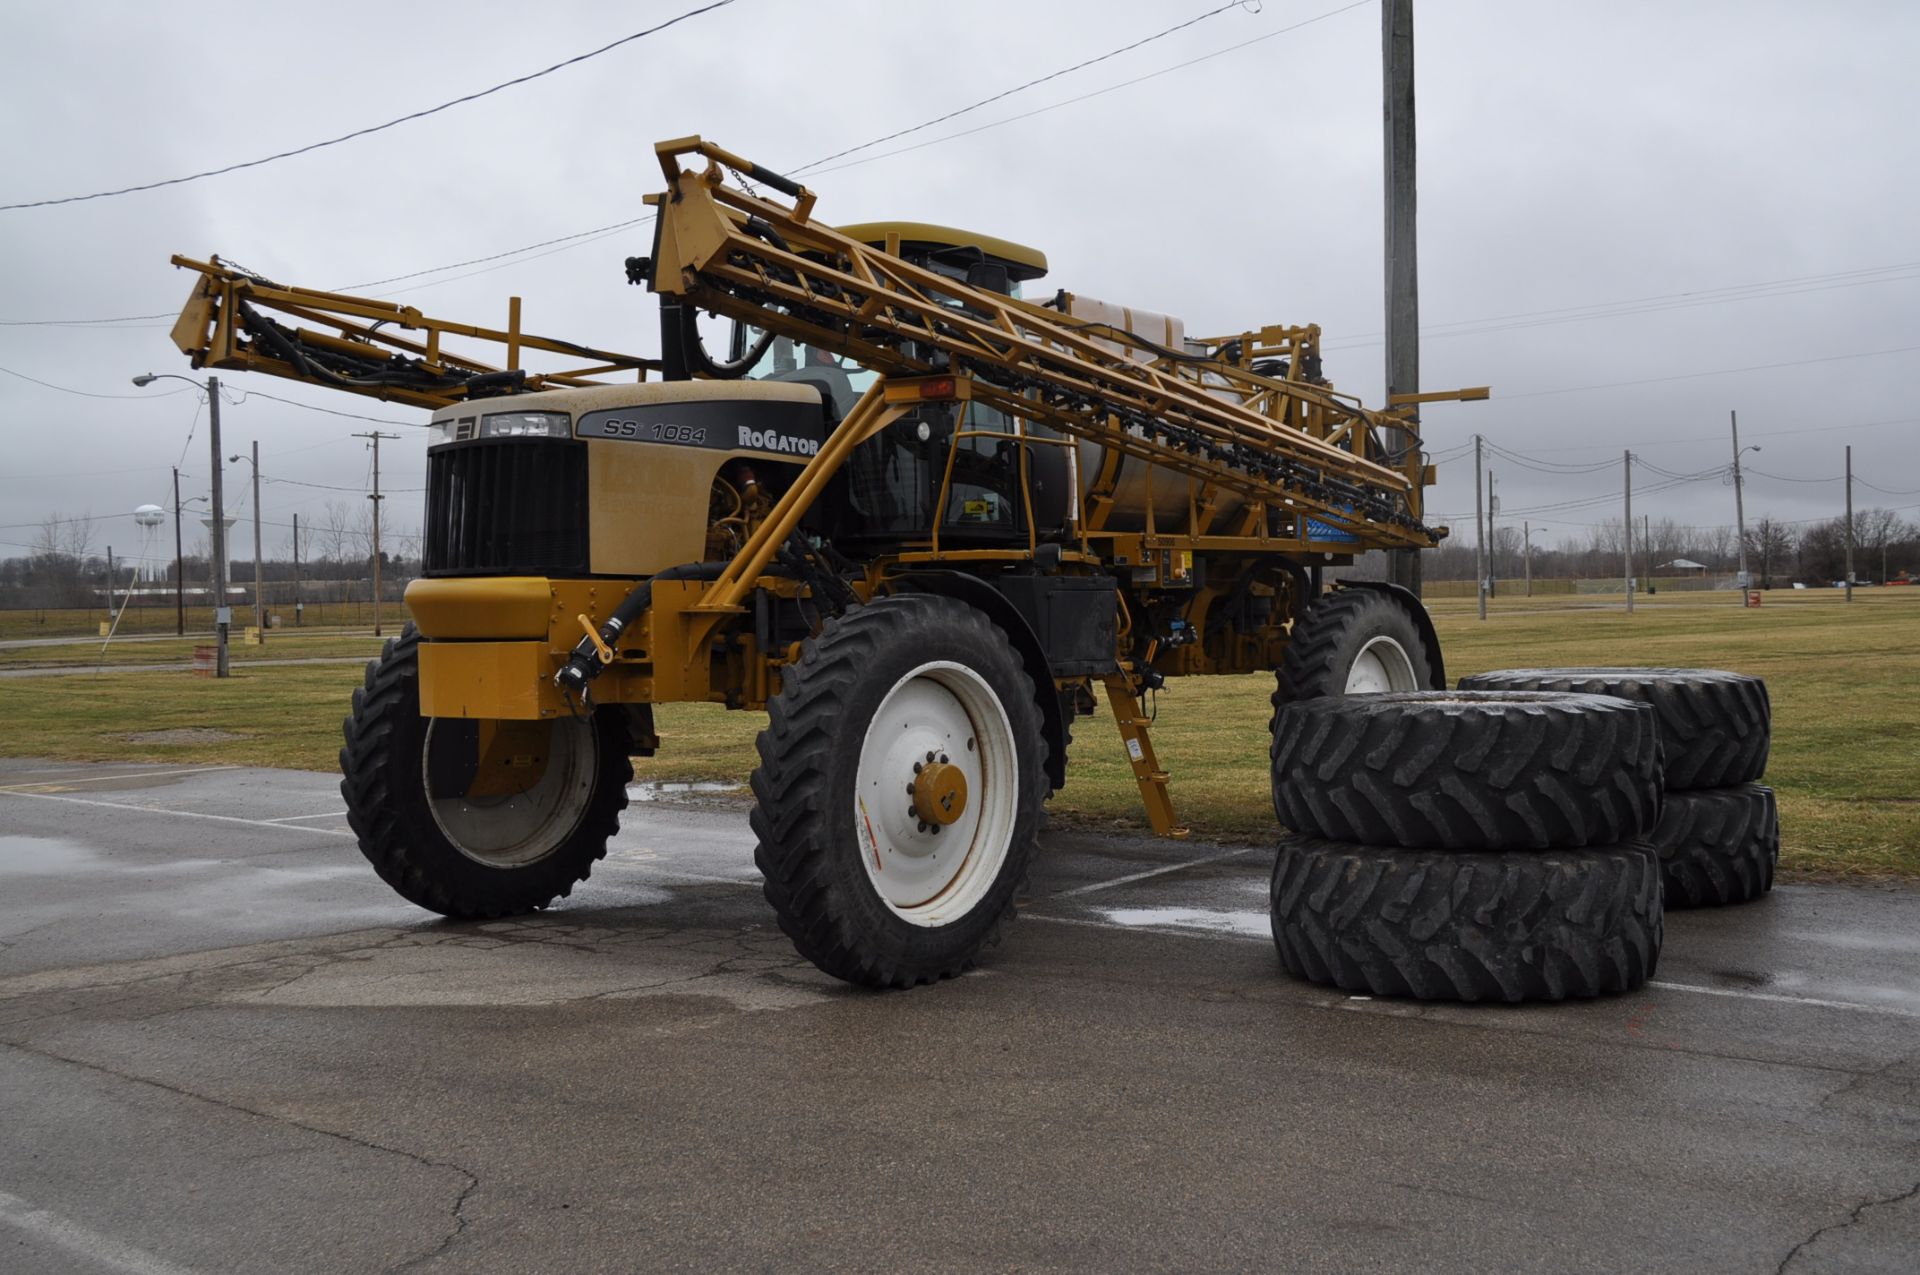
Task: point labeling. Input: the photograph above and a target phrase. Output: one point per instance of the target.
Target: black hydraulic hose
(585, 664)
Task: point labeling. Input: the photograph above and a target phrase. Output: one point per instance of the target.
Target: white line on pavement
(1773, 998)
(1151, 872)
(182, 814)
(71, 1237)
(125, 774)
(331, 814)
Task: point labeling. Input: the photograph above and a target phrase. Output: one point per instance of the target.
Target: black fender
(1411, 604)
(981, 596)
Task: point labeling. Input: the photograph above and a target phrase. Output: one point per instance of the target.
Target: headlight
(526, 425)
(503, 425)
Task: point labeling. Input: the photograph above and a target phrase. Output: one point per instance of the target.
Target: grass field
(1845, 682)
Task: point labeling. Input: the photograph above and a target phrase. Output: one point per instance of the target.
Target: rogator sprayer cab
(874, 492)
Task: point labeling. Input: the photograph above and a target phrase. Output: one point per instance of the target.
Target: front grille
(507, 507)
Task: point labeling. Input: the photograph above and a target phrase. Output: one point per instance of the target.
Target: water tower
(149, 518)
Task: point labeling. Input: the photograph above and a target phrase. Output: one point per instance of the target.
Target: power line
(375, 128)
(1019, 88)
(511, 252)
(1111, 88)
(1546, 466)
(296, 482)
(1724, 371)
(355, 416)
(1856, 278)
(85, 393)
(79, 323)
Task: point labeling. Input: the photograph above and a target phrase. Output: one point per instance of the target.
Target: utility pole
(259, 597)
(179, 564)
(1493, 541)
(1626, 529)
(1849, 522)
(376, 498)
(1646, 547)
(1739, 503)
(222, 613)
(1479, 534)
(1402, 270)
(299, 607)
(1526, 534)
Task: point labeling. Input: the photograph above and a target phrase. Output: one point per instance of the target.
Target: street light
(222, 613)
(179, 558)
(1739, 502)
(259, 606)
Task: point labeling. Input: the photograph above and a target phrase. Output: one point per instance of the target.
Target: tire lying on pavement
(1447, 925)
(1714, 725)
(1467, 770)
(1717, 845)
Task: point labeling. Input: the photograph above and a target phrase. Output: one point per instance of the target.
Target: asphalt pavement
(226, 1046)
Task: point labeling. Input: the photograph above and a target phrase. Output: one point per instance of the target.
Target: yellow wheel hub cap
(940, 793)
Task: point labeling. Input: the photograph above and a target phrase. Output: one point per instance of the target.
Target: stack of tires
(1719, 832)
(1471, 845)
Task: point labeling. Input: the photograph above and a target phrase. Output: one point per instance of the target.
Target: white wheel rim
(525, 827)
(933, 878)
(1382, 665)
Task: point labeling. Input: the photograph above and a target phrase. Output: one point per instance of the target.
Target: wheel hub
(940, 792)
(934, 793)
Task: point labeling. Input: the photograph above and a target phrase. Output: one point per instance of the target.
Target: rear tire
(1717, 845)
(1467, 927)
(860, 881)
(1353, 642)
(467, 856)
(1714, 725)
(1468, 770)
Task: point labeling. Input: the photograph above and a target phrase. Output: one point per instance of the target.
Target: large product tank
(1169, 491)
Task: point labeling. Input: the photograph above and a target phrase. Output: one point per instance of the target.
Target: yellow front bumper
(493, 643)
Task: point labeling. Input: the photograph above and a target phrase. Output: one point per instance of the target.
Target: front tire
(477, 819)
(899, 791)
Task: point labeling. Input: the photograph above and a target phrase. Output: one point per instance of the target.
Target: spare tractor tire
(1717, 845)
(1467, 927)
(1714, 725)
(1468, 770)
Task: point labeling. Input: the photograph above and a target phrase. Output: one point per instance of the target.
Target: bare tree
(1874, 531)
(360, 534)
(1770, 546)
(76, 539)
(330, 536)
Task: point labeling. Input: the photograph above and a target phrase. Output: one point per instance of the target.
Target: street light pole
(179, 564)
(222, 616)
(222, 613)
(259, 604)
(1739, 502)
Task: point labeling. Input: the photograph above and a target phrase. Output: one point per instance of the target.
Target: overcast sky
(1572, 156)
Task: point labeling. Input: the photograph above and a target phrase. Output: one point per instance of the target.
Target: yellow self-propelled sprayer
(915, 517)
